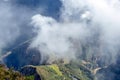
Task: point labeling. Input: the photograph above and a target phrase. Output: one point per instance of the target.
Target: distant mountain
(21, 56)
(111, 72)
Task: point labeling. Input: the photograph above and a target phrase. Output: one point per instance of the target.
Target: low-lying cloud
(82, 22)
(57, 38)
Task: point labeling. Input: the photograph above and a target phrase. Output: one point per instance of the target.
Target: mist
(14, 24)
(8, 26)
(38, 32)
(81, 23)
(81, 27)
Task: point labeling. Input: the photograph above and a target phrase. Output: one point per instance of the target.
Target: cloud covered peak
(81, 22)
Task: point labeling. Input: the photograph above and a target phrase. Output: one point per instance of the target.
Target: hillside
(71, 71)
(58, 71)
(10, 74)
(21, 55)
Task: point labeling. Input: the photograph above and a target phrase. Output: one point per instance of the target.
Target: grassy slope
(64, 72)
(71, 71)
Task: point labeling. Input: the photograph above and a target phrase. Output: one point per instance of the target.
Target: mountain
(58, 71)
(10, 74)
(21, 56)
(110, 72)
(71, 71)
(28, 62)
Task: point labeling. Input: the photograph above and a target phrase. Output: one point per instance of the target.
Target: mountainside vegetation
(71, 71)
(58, 71)
(10, 74)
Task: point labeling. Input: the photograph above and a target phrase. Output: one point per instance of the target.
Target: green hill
(71, 71)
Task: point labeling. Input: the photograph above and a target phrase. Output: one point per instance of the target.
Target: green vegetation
(75, 70)
(49, 72)
(10, 74)
(64, 72)
(29, 77)
(56, 69)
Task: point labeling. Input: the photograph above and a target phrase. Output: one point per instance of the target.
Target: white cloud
(79, 20)
(55, 37)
